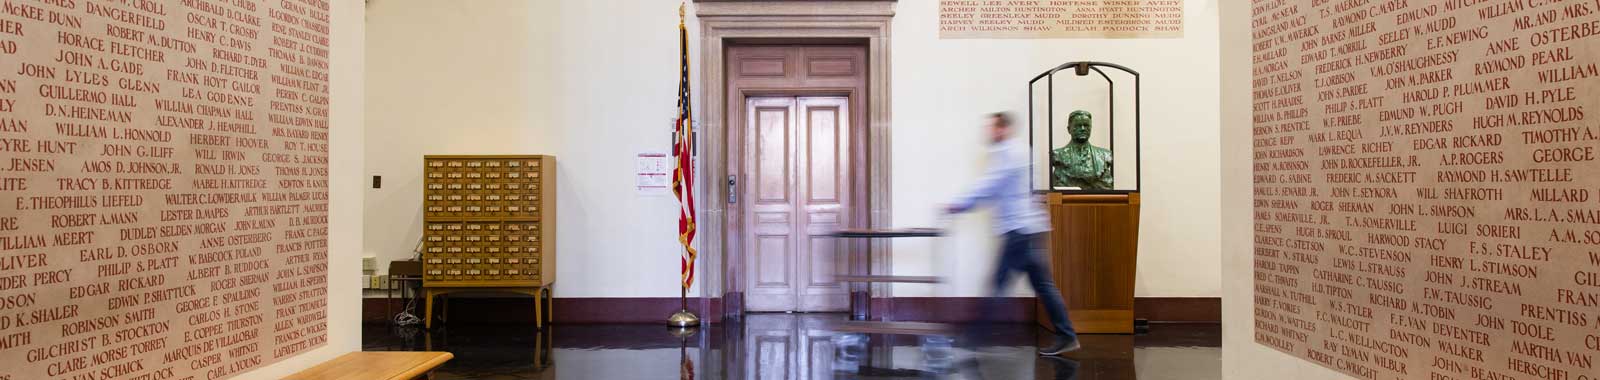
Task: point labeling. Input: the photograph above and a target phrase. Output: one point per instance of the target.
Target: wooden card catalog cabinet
(488, 224)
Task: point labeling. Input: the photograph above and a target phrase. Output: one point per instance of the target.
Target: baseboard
(1022, 309)
(963, 309)
(1178, 309)
(652, 310)
(630, 310)
(519, 310)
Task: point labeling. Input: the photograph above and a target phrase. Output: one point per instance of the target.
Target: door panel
(800, 180)
(822, 142)
(772, 135)
(772, 266)
(824, 122)
(771, 209)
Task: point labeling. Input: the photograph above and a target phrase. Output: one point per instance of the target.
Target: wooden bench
(376, 365)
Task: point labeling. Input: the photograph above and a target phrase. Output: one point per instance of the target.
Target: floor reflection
(794, 346)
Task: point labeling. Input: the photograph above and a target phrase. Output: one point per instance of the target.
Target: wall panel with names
(1060, 18)
(163, 186)
(1427, 201)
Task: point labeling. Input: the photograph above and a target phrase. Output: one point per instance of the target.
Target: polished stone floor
(787, 346)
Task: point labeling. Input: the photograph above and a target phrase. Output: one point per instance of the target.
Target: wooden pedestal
(1094, 246)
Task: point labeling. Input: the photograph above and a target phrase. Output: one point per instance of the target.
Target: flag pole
(684, 319)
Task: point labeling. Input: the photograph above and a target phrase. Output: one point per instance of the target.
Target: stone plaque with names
(1060, 19)
(163, 186)
(1427, 200)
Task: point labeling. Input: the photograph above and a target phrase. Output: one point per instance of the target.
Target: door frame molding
(725, 22)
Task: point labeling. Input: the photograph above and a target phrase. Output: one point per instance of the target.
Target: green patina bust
(1080, 164)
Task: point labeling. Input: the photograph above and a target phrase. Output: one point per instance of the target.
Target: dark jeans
(1026, 253)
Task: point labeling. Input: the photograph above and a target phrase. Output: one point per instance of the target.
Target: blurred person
(1022, 227)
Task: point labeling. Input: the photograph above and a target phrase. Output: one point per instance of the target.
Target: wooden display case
(489, 225)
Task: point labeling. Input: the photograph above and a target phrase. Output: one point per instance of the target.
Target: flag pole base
(683, 318)
(683, 333)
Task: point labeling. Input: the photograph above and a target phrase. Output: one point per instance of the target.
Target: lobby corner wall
(943, 88)
(347, 35)
(181, 188)
(1242, 357)
(592, 82)
(1459, 240)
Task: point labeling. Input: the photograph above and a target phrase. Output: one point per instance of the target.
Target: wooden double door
(798, 171)
(798, 194)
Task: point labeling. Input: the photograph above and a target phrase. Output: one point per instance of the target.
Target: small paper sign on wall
(980, 19)
(653, 174)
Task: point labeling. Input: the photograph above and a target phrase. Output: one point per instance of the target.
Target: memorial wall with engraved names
(1060, 18)
(1426, 196)
(163, 186)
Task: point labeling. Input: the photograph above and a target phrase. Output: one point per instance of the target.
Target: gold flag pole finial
(681, 6)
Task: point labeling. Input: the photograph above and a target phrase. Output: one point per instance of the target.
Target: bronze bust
(1080, 164)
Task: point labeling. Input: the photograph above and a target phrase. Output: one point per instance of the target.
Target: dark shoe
(1062, 346)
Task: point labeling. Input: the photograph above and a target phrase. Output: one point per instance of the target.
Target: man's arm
(988, 186)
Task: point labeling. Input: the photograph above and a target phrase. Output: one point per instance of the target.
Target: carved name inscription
(1060, 18)
(163, 186)
(1427, 196)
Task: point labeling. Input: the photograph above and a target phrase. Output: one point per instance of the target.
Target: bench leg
(427, 313)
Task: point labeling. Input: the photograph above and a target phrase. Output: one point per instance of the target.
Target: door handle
(733, 189)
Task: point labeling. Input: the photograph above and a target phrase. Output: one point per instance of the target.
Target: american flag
(682, 148)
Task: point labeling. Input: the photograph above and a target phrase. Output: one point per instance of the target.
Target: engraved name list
(163, 186)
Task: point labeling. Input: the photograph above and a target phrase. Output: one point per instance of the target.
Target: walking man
(1022, 227)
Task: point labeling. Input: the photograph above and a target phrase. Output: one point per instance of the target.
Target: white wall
(593, 83)
(943, 89)
(347, 32)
